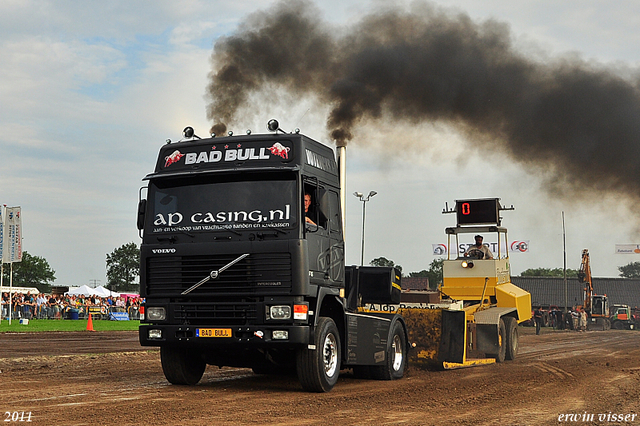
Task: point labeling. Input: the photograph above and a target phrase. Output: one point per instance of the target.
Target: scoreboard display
(478, 212)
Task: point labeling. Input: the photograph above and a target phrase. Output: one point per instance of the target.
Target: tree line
(123, 269)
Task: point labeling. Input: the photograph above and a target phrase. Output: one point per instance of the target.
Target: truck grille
(227, 313)
(169, 276)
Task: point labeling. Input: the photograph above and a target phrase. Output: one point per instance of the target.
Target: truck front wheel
(319, 368)
(181, 367)
(396, 356)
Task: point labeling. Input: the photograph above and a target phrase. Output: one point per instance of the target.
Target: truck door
(336, 240)
(316, 232)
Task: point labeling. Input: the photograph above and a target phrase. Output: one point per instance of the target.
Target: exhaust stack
(342, 172)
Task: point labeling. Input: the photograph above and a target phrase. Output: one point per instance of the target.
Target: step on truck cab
(242, 264)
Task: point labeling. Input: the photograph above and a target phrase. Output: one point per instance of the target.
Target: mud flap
(453, 333)
(487, 338)
(488, 329)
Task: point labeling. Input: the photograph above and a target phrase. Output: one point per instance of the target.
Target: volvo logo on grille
(163, 251)
(214, 274)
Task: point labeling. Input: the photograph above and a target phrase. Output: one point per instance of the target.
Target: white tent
(85, 290)
(82, 290)
(23, 290)
(104, 292)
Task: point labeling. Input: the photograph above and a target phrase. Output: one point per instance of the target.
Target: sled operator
(478, 250)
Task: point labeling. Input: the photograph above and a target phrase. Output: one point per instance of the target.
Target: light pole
(364, 200)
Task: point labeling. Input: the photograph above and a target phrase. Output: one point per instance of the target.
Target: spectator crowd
(43, 306)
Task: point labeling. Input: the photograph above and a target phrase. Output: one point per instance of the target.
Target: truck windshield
(221, 204)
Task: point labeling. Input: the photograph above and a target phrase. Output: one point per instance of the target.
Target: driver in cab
(478, 250)
(307, 204)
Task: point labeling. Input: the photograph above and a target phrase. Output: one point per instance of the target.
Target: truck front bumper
(247, 336)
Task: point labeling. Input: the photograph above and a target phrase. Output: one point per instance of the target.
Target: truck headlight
(467, 264)
(279, 312)
(156, 313)
(154, 334)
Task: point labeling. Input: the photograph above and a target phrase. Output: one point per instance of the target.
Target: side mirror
(142, 208)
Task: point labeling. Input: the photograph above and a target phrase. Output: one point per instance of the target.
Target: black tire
(618, 325)
(396, 357)
(319, 369)
(511, 328)
(502, 341)
(181, 367)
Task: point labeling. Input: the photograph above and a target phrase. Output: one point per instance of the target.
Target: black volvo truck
(237, 270)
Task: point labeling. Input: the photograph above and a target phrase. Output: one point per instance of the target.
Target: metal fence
(45, 311)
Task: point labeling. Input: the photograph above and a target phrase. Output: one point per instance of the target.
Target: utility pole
(564, 245)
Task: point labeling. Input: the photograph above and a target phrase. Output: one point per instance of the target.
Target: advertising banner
(224, 206)
(517, 246)
(12, 236)
(627, 248)
(439, 249)
(220, 155)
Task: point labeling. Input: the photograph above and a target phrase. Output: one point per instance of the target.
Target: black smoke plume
(577, 118)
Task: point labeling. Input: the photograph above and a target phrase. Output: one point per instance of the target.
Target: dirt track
(104, 378)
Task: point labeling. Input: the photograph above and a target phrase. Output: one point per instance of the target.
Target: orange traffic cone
(90, 324)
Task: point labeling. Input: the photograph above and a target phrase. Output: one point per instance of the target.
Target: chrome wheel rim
(330, 355)
(396, 349)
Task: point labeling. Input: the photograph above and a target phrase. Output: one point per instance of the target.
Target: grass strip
(42, 325)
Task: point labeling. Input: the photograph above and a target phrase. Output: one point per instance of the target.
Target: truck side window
(309, 208)
(335, 218)
(313, 215)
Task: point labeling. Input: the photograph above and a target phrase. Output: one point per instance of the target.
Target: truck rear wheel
(318, 369)
(181, 367)
(511, 327)
(396, 357)
(502, 341)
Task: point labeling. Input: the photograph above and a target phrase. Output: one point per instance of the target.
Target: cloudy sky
(90, 90)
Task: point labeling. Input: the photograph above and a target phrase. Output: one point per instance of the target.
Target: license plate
(213, 332)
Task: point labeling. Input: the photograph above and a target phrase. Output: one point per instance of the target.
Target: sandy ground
(106, 378)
